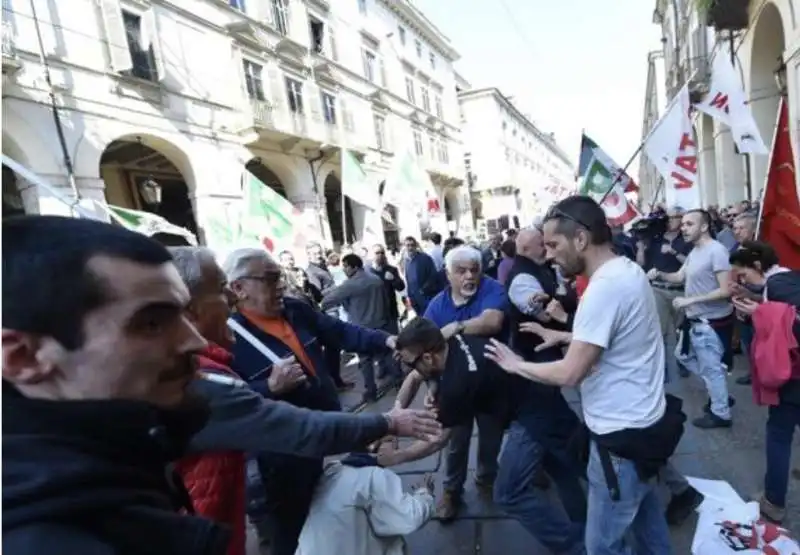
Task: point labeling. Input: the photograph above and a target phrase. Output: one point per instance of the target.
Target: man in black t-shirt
(541, 424)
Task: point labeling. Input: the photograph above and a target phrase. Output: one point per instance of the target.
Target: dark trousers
(782, 421)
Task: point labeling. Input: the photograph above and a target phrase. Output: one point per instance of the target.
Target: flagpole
(624, 170)
(760, 217)
(344, 219)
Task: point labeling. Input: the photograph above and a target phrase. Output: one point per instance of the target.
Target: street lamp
(150, 191)
(780, 77)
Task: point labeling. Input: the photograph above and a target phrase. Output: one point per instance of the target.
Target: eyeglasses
(268, 279)
(556, 213)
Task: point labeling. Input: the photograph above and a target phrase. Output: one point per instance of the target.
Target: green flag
(407, 183)
(148, 223)
(267, 217)
(356, 184)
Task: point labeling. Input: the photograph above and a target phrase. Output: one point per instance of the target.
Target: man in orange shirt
(281, 489)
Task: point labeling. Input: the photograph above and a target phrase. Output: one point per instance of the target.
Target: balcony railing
(262, 113)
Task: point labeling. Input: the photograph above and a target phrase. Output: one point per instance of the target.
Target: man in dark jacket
(392, 282)
(97, 358)
(288, 329)
(421, 276)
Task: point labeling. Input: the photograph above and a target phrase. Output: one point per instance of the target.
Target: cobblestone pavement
(735, 455)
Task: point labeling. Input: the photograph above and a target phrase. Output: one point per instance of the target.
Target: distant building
(515, 169)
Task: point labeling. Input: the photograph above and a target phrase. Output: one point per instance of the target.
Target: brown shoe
(447, 509)
(770, 511)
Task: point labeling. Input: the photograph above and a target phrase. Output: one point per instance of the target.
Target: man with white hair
(288, 328)
(472, 304)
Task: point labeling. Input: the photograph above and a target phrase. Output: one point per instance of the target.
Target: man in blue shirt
(472, 304)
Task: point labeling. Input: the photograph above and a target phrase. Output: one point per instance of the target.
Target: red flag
(780, 208)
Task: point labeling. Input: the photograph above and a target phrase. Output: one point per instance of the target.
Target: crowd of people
(156, 401)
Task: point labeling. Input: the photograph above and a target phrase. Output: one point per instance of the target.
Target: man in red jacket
(242, 421)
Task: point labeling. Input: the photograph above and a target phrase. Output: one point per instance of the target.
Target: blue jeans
(559, 529)
(638, 512)
(705, 359)
(780, 429)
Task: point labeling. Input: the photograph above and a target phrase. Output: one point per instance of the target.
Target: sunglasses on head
(555, 213)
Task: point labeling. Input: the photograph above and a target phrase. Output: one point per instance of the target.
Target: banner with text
(672, 149)
(725, 102)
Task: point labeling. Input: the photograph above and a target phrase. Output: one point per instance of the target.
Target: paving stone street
(735, 455)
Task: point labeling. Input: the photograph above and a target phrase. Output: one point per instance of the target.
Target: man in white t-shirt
(616, 356)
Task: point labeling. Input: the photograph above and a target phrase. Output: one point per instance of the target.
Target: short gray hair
(190, 262)
(237, 263)
(747, 217)
(462, 254)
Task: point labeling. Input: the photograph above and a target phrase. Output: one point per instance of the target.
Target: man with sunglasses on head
(615, 355)
(288, 328)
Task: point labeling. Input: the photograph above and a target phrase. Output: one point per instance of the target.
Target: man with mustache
(472, 304)
(243, 421)
(97, 359)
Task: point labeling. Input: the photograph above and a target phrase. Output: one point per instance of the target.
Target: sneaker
(709, 421)
(770, 511)
(745, 380)
(447, 509)
(707, 406)
(682, 505)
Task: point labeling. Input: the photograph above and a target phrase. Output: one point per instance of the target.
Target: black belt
(667, 286)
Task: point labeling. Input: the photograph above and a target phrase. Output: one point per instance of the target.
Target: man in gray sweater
(363, 297)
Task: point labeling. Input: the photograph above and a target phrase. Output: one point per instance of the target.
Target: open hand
(538, 298)
(503, 356)
(550, 338)
(421, 424)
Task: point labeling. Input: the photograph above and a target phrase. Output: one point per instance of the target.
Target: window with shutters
(370, 66)
(431, 147)
(418, 148)
(143, 63)
(418, 47)
(329, 108)
(294, 91)
(426, 98)
(432, 59)
(280, 16)
(410, 90)
(401, 34)
(317, 31)
(254, 80)
(380, 131)
(437, 101)
(444, 155)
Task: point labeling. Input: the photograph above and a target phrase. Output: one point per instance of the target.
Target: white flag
(725, 102)
(672, 149)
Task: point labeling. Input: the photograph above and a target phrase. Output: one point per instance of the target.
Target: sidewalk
(735, 455)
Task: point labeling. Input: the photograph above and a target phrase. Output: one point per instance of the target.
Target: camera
(650, 228)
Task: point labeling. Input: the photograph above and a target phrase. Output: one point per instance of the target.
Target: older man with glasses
(243, 421)
(270, 322)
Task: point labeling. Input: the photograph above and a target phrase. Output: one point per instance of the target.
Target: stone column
(730, 169)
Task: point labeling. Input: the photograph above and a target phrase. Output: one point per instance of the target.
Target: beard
(573, 267)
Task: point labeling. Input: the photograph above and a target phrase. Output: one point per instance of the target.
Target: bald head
(530, 244)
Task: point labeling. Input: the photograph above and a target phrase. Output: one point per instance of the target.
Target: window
(444, 155)
(432, 58)
(369, 65)
(418, 148)
(253, 81)
(412, 98)
(294, 90)
(317, 30)
(237, 4)
(329, 108)
(380, 131)
(432, 147)
(437, 101)
(142, 55)
(418, 47)
(401, 34)
(426, 99)
(280, 15)
(362, 7)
